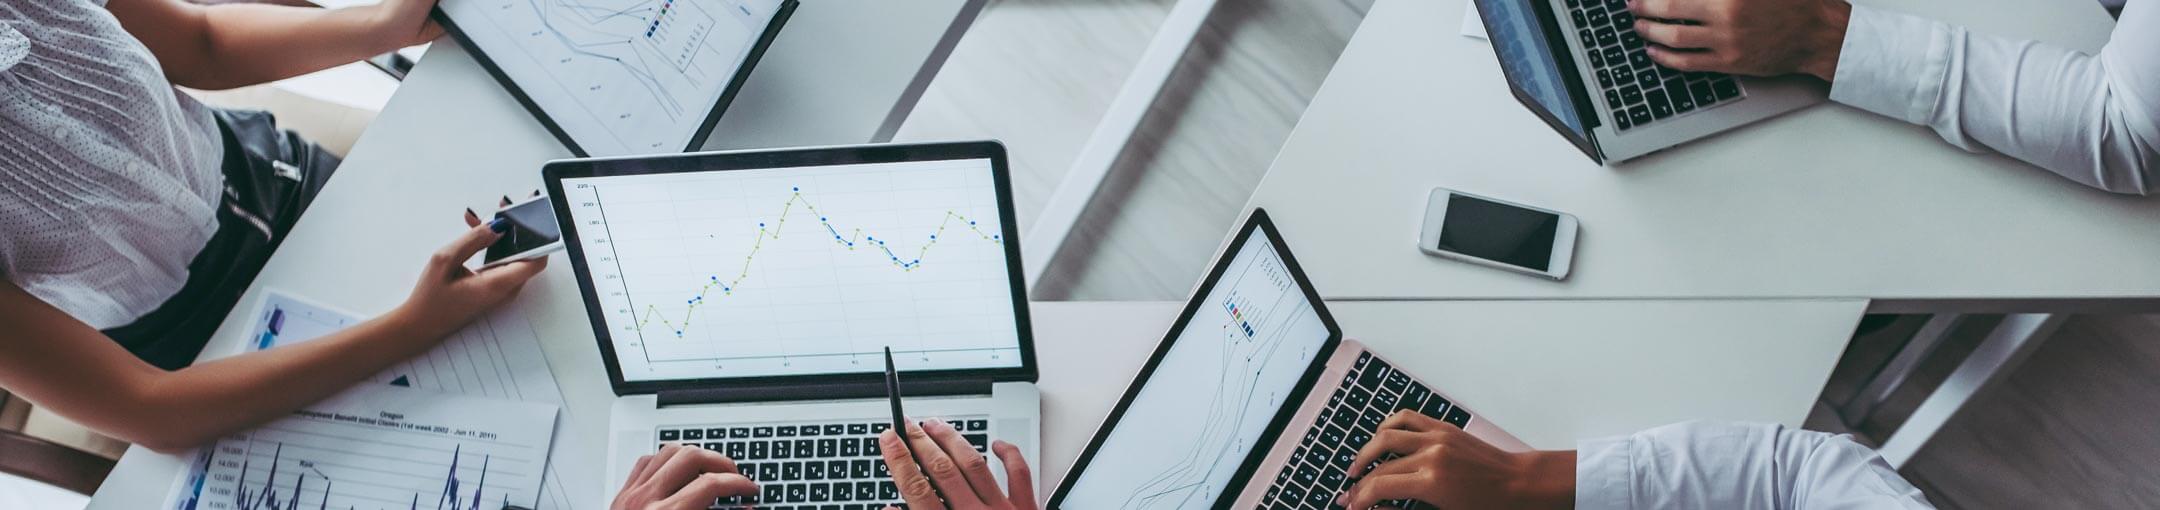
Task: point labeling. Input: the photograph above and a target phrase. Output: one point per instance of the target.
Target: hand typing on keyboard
(1746, 37)
(1417, 457)
(962, 475)
(681, 478)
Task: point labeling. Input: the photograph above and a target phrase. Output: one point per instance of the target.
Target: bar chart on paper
(380, 447)
(799, 270)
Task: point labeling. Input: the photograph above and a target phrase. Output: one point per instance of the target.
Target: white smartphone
(532, 233)
(1498, 233)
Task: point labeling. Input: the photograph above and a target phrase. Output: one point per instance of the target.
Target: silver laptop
(1601, 90)
(1255, 359)
(742, 302)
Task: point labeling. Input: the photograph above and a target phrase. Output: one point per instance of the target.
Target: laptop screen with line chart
(800, 270)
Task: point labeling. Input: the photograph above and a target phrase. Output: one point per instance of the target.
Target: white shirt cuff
(1892, 64)
(1603, 473)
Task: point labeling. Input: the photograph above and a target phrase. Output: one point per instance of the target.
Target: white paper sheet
(380, 447)
(497, 356)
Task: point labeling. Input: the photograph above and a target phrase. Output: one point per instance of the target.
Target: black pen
(899, 420)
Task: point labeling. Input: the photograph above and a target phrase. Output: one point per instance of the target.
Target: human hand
(1444, 466)
(449, 295)
(1745, 37)
(401, 23)
(962, 474)
(681, 478)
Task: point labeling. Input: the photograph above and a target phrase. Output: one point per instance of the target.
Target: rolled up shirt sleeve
(1733, 466)
(2092, 118)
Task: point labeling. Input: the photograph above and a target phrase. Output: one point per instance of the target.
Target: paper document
(380, 447)
(497, 356)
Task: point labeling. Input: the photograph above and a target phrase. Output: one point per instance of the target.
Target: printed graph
(379, 448)
(620, 76)
(800, 270)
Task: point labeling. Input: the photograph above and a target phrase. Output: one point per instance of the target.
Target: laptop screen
(1251, 337)
(1526, 57)
(802, 270)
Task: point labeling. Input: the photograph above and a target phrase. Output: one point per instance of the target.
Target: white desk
(1611, 367)
(1827, 202)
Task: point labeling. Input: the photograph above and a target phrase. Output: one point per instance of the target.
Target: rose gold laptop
(1254, 359)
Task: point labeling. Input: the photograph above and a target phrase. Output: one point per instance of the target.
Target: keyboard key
(1436, 407)
(1604, 80)
(866, 490)
(978, 425)
(828, 447)
(981, 441)
(798, 492)
(774, 493)
(1370, 421)
(850, 447)
(870, 447)
(780, 450)
(1384, 400)
(805, 448)
(1305, 475)
(791, 471)
(1620, 119)
(1612, 97)
(1293, 493)
(761, 432)
(1357, 398)
(843, 491)
(814, 470)
(1624, 20)
(1344, 420)
(858, 429)
(1701, 90)
(768, 471)
(715, 447)
(835, 429)
(810, 430)
(1646, 79)
(860, 468)
(879, 427)
(1606, 37)
(1320, 499)
(1599, 19)
(1578, 17)
(1457, 417)
(1624, 78)
(821, 492)
(882, 470)
(1396, 381)
(689, 434)
(739, 433)
(888, 491)
(757, 451)
(1613, 56)
(1417, 394)
(1358, 438)
(784, 431)
(1372, 375)
(1332, 478)
(1682, 101)
(1597, 58)
(1639, 115)
(1659, 106)
(1641, 60)
(736, 449)
(1726, 88)
(670, 435)
(716, 433)
(1332, 435)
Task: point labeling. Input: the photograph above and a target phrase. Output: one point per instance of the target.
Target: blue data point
(971, 222)
(716, 278)
(821, 218)
(798, 188)
(933, 236)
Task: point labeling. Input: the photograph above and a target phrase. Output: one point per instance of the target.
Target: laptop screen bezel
(1563, 58)
(1257, 222)
(556, 171)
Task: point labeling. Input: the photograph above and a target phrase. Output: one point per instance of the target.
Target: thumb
(471, 242)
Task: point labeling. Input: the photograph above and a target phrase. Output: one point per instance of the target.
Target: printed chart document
(497, 356)
(380, 447)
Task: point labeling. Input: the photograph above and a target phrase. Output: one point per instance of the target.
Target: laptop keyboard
(1637, 90)
(1371, 391)
(811, 465)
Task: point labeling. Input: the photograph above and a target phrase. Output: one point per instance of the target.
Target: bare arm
(233, 45)
(64, 365)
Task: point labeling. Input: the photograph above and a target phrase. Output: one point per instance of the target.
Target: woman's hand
(961, 474)
(1746, 37)
(681, 478)
(449, 295)
(1446, 467)
(402, 23)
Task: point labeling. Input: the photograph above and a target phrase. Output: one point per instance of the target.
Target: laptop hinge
(736, 394)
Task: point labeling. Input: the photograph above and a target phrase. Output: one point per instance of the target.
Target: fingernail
(1342, 500)
(469, 212)
(499, 225)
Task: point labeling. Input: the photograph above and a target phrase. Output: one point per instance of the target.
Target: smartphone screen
(1499, 232)
(532, 226)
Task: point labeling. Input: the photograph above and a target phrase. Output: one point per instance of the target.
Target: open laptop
(1254, 359)
(742, 302)
(1580, 66)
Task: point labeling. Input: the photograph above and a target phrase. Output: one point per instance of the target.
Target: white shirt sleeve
(1733, 466)
(2093, 119)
